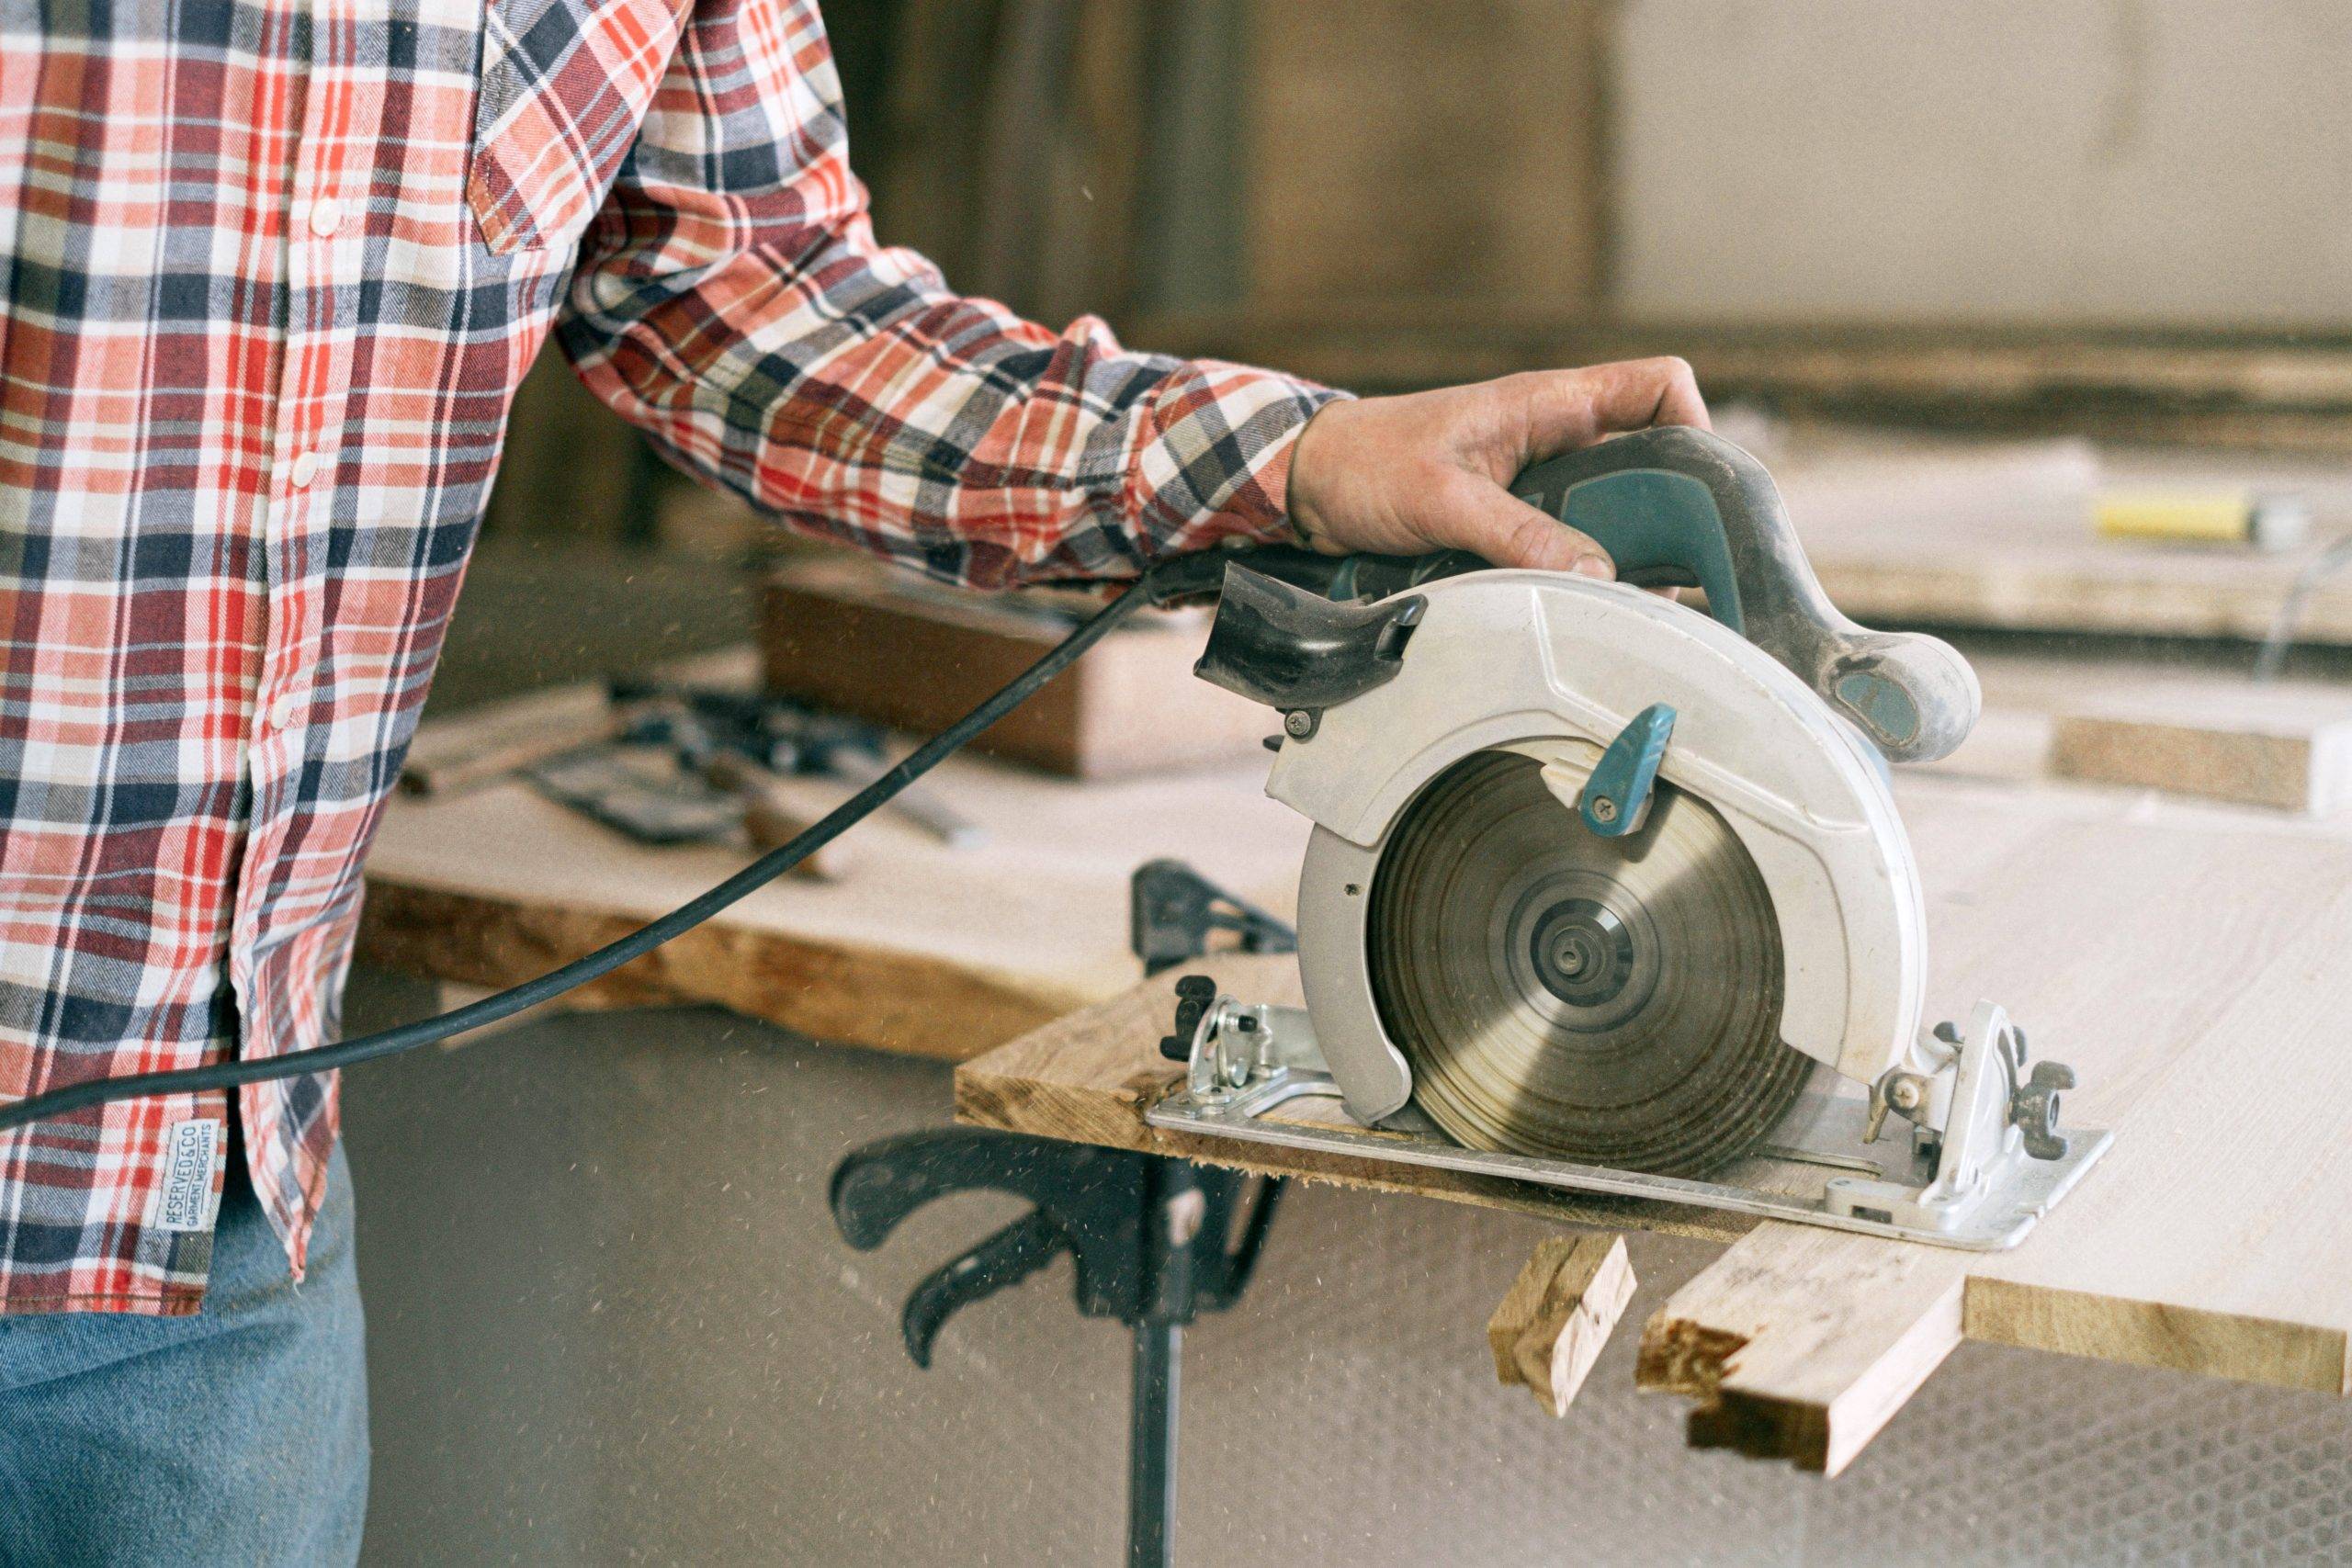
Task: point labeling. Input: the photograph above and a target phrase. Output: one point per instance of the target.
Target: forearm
(843, 387)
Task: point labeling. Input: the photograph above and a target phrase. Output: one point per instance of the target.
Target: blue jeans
(239, 1435)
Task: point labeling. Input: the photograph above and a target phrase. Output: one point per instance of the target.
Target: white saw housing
(1555, 666)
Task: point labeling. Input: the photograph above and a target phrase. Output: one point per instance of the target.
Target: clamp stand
(1156, 1241)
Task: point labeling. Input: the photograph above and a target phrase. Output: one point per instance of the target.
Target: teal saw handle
(1680, 507)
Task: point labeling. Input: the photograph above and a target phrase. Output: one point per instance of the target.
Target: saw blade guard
(1554, 667)
(1684, 507)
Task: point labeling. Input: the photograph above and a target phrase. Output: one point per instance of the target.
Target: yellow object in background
(2214, 518)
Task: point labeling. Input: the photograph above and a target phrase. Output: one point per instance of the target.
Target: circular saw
(1605, 891)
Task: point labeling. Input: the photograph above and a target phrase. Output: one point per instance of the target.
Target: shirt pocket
(564, 85)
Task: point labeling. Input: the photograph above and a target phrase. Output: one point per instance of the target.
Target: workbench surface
(2192, 960)
(920, 948)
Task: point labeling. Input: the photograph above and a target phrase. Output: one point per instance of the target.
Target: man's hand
(1403, 476)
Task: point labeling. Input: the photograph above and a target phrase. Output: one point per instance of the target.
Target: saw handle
(1681, 507)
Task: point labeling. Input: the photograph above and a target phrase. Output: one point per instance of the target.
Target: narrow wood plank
(1088, 1078)
(1551, 1328)
(2206, 389)
(2290, 750)
(451, 757)
(479, 746)
(2159, 1333)
(1801, 1344)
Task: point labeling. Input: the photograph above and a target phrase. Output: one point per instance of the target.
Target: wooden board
(853, 638)
(2187, 960)
(2255, 745)
(1998, 535)
(922, 949)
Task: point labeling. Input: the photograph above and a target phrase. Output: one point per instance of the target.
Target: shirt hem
(171, 1304)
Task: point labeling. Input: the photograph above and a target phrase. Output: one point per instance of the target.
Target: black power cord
(1181, 577)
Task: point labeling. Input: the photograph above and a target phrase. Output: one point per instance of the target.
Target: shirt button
(326, 215)
(281, 710)
(305, 469)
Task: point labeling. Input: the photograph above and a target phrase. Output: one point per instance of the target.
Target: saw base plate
(1819, 1142)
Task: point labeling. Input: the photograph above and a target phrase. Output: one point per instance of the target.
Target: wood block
(1550, 1328)
(1785, 1366)
(2256, 747)
(857, 638)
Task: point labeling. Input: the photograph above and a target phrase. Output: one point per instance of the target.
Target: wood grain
(1802, 1344)
(907, 1003)
(1550, 1328)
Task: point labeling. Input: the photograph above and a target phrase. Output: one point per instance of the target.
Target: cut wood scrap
(1549, 1330)
(1801, 1344)
(2290, 749)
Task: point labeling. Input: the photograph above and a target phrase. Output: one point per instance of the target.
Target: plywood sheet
(2190, 962)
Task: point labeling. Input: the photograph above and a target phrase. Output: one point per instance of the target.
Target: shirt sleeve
(731, 300)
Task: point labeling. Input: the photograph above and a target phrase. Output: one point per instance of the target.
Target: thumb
(1475, 513)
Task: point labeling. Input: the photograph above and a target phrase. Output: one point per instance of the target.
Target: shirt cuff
(1218, 467)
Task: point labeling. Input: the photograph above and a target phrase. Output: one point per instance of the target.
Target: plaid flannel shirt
(273, 269)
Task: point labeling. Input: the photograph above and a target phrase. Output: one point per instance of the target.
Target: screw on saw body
(1897, 1091)
(1300, 724)
(1604, 808)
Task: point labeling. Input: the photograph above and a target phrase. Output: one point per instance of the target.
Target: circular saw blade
(1605, 1002)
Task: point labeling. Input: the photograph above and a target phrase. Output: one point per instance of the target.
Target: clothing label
(184, 1201)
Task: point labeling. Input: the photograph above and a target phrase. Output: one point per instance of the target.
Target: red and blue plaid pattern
(273, 270)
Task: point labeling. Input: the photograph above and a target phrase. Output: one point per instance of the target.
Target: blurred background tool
(2202, 516)
(692, 765)
(643, 793)
(777, 736)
